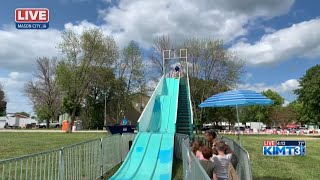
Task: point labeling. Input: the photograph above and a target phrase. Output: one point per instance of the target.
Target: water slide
(151, 155)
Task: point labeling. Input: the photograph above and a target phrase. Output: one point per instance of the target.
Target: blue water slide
(151, 155)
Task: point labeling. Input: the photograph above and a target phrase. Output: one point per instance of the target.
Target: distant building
(133, 112)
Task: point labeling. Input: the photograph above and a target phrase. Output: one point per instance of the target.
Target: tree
(278, 100)
(161, 43)
(212, 69)
(130, 69)
(297, 109)
(23, 113)
(263, 113)
(43, 90)
(282, 116)
(100, 90)
(309, 94)
(3, 102)
(83, 54)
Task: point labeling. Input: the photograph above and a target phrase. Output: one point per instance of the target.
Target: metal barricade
(192, 168)
(244, 164)
(243, 167)
(111, 152)
(37, 166)
(84, 161)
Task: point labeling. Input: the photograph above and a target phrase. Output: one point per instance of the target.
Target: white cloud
(139, 20)
(269, 30)
(287, 86)
(286, 103)
(302, 39)
(285, 89)
(13, 87)
(19, 49)
(142, 20)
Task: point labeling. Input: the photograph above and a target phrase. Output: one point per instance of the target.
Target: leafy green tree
(3, 102)
(131, 71)
(262, 113)
(309, 94)
(278, 100)
(43, 113)
(83, 54)
(297, 109)
(282, 116)
(23, 113)
(100, 90)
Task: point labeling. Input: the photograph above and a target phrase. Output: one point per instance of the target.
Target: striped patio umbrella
(236, 98)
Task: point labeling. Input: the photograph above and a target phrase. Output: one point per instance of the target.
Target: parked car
(51, 125)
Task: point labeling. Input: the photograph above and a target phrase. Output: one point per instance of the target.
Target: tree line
(94, 72)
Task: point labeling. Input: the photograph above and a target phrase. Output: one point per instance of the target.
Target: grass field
(263, 168)
(283, 168)
(14, 144)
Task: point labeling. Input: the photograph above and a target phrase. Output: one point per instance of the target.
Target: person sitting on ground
(207, 165)
(212, 138)
(197, 149)
(221, 162)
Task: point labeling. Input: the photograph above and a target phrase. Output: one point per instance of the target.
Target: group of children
(219, 162)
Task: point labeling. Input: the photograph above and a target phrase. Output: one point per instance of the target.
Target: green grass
(177, 169)
(283, 168)
(15, 144)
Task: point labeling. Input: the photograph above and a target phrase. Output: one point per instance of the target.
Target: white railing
(190, 102)
(177, 100)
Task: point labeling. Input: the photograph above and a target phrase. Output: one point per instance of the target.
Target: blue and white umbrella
(236, 98)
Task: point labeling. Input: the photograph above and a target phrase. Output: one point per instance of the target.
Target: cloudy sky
(279, 40)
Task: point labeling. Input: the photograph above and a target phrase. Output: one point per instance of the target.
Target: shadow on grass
(270, 178)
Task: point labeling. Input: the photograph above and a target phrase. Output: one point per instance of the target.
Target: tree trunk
(47, 121)
(52, 118)
(73, 118)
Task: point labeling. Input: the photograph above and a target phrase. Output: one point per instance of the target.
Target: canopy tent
(236, 98)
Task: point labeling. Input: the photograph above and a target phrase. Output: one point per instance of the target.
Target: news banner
(284, 148)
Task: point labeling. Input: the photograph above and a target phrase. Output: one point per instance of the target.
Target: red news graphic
(269, 143)
(36, 15)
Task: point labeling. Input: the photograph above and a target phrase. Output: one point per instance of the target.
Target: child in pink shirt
(196, 149)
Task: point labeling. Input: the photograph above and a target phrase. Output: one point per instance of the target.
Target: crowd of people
(218, 161)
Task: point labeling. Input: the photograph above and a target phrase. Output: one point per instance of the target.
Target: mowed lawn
(283, 168)
(15, 144)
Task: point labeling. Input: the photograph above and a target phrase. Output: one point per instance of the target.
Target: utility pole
(105, 110)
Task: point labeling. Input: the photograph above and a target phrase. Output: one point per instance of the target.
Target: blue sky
(278, 40)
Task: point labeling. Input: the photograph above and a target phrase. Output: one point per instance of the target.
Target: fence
(192, 169)
(191, 166)
(87, 160)
(244, 164)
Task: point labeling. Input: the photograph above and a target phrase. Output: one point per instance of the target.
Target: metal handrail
(177, 100)
(189, 97)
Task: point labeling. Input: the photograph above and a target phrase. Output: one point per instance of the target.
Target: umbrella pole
(238, 125)
(259, 120)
